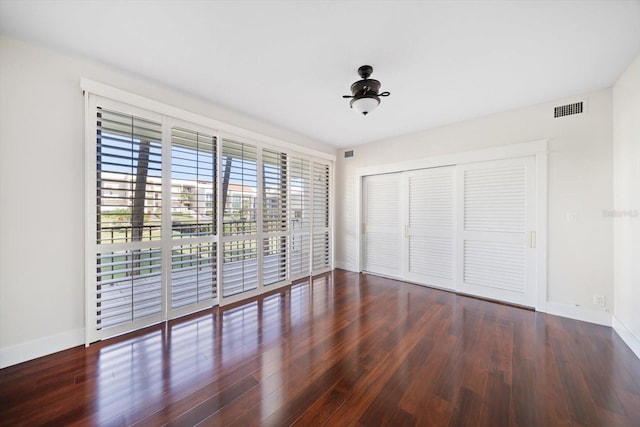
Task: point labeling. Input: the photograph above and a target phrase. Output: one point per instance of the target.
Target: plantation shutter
(382, 219)
(239, 187)
(431, 227)
(180, 218)
(274, 216)
(300, 217)
(322, 257)
(193, 220)
(495, 254)
(128, 283)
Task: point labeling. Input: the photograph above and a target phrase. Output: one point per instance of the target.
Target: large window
(182, 218)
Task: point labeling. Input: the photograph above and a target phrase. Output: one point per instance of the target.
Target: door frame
(538, 148)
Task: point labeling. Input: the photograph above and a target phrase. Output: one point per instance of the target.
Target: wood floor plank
(384, 407)
(339, 349)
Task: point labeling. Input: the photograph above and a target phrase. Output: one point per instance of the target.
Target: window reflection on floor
(194, 352)
(127, 371)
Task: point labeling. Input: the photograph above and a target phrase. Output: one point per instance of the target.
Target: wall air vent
(569, 109)
(348, 154)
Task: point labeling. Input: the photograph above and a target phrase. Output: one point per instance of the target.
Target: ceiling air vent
(569, 109)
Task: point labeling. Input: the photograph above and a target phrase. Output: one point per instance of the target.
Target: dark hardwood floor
(343, 349)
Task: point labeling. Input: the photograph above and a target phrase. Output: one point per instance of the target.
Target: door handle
(532, 239)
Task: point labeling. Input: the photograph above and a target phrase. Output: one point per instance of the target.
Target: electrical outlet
(599, 300)
(572, 217)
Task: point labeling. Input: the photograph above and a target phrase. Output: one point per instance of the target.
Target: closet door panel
(496, 247)
(430, 228)
(382, 225)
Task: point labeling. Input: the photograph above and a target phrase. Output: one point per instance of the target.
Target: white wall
(626, 158)
(580, 180)
(42, 191)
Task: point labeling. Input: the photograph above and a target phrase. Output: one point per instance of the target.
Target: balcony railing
(124, 233)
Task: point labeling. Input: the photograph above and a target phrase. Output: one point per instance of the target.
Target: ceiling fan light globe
(365, 105)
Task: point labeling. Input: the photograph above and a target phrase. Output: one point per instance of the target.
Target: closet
(468, 227)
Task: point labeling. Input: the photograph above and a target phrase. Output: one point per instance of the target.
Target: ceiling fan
(364, 93)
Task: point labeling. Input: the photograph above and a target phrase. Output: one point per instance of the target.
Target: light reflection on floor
(194, 352)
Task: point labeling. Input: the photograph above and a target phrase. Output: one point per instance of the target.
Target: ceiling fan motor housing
(365, 87)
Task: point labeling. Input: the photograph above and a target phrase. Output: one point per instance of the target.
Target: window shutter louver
(239, 186)
(129, 219)
(193, 184)
(129, 186)
(300, 217)
(129, 286)
(193, 274)
(274, 216)
(321, 216)
(193, 218)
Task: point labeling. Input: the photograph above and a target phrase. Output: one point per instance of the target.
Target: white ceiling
(288, 63)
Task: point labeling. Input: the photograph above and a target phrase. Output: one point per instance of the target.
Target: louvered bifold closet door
(430, 227)
(496, 255)
(128, 280)
(275, 223)
(321, 247)
(299, 217)
(193, 221)
(239, 185)
(382, 224)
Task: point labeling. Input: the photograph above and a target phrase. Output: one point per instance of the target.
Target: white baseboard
(599, 317)
(627, 336)
(19, 353)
